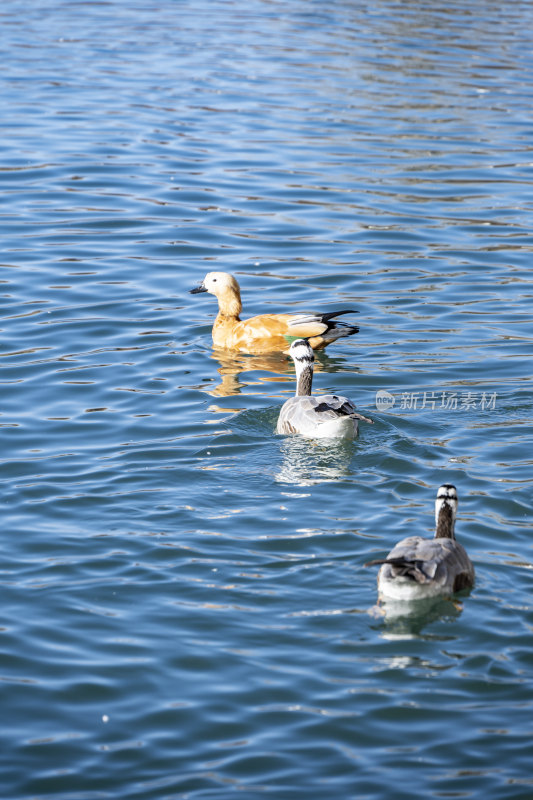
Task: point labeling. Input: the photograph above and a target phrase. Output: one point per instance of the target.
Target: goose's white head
(302, 354)
(446, 510)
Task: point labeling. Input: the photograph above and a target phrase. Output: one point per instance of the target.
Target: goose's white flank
(327, 415)
(266, 332)
(419, 568)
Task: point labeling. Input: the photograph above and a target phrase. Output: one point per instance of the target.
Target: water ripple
(184, 594)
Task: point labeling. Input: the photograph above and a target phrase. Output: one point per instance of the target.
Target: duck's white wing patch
(306, 325)
(303, 319)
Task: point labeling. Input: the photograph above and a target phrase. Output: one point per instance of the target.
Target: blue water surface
(185, 610)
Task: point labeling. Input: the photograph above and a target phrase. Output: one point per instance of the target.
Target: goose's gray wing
(298, 414)
(306, 413)
(332, 405)
(442, 562)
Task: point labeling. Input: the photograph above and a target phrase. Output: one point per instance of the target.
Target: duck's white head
(226, 290)
(217, 283)
(446, 511)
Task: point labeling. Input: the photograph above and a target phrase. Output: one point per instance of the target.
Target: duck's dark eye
(214, 280)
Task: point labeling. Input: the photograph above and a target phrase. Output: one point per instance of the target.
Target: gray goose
(326, 415)
(418, 568)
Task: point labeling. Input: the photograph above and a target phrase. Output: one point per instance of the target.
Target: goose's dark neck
(305, 381)
(445, 523)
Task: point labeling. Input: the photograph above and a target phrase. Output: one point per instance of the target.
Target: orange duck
(266, 331)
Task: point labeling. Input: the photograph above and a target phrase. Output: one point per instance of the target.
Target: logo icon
(384, 400)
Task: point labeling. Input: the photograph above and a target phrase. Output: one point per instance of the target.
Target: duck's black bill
(198, 289)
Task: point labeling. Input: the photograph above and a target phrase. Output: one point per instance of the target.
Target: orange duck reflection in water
(233, 364)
